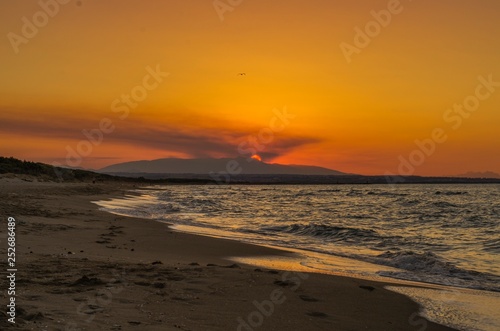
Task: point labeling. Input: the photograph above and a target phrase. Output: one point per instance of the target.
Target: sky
(369, 87)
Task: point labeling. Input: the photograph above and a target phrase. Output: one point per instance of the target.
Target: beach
(79, 268)
(250, 165)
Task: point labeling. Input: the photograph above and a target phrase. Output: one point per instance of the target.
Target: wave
(386, 194)
(204, 202)
(429, 267)
(199, 205)
(167, 208)
(443, 204)
(409, 203)
(492, 246)
(329, 190)
(324, 231)
(412, 261)
(304, 194)
(355, 192)
(450, 193)
(138, 213)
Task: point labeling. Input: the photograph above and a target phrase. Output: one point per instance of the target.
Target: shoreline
(442, 302)
(140, 274)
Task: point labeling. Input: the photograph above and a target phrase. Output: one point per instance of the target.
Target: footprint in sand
(308, 298)
(366, 287)
(284, 283)
(317, 314)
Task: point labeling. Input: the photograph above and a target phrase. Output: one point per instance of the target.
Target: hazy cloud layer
(195, 141)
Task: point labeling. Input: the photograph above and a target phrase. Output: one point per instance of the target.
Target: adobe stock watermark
(223, 6)
(455, 117)
(266, 308)
(254, 144)
(372, 29)
(32, 25)
(120, 106)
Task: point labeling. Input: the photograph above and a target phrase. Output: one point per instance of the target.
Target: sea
(444, 236)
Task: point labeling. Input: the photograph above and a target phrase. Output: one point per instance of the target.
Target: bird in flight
(242, 74)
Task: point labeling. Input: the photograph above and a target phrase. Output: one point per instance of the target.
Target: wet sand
(83, 269)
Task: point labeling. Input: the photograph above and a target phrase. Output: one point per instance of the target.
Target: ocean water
(438, 234)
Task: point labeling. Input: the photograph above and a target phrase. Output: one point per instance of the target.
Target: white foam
(461, 309)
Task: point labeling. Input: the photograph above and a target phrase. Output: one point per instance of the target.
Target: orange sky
(357, 117)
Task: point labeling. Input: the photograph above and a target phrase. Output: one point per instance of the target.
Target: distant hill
(11, 167)
(486, 174)
(210, 165)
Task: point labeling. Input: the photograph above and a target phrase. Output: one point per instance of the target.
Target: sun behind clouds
(256, 157)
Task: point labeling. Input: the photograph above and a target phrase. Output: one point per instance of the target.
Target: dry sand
(83, 269)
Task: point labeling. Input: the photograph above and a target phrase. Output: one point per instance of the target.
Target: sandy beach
(84, 269)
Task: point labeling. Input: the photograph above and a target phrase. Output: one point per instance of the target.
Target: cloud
(216, 139)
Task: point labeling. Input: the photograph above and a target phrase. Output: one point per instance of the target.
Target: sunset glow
(257, 157)
(182, 79)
